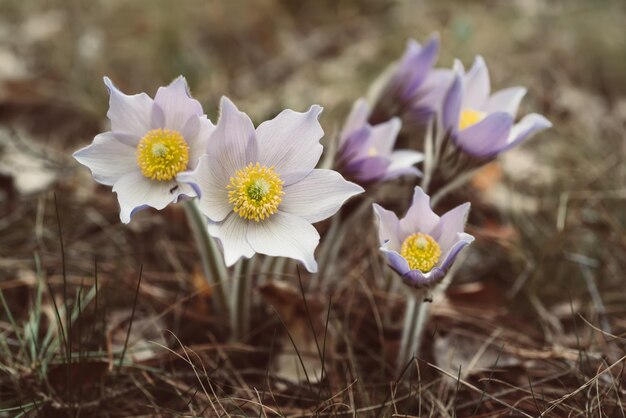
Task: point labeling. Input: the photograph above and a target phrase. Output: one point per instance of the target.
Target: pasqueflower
(482, 124)
(422, 246)
(259, 187)
(149, 144)
(366, 152)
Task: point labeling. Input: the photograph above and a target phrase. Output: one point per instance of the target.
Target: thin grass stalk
(212, 263)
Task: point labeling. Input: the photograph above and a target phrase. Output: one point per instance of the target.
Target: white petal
(404, 158)
(232, 144)
(211, 187)
(134, 191)
(388, 228)
(290, 143)
(505, 100)
(527, 127)
(285, 235)
(128, 114)
(356, 119)
(232, 235)
(198, 143)
(177, 105)
(107, 158)
(318, 195)
(477, 85)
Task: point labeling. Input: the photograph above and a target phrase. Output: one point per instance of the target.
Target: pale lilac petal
(178, 106)
(232, 236)
(505, 100)
(318, 196)
(451, 111)
(368, 169)
(356, 119)
(487, 137)
(290, 143)
(232, 144)
(388, 228)
(420, 280)
(527, 127)
(285, 235)
(198, 143)
(433, 90)
(134, 191)
(395, 260)
(107, 158)
(405, 158)
(383, 136)
(415, 65)
(210, 185)
(450, 225)
(356, 144)
(462, 240)
(477, 86)
(129, 114)
(420, 217)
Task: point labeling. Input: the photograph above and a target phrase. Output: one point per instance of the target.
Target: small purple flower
(410, 88)
(422, 246)
(482, 124)
(366, 152)
(149, 143)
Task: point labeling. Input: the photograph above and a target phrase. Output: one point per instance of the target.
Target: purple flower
(149, 143)
(260, 188)
(410, 88)
(482, 124)
(366, 152)
(422, 246)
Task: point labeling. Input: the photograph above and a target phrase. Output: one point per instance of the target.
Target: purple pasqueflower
(149, 143)
(411, 88)
(482, 124)
(366, 152)
(260, 188)
(422, 246)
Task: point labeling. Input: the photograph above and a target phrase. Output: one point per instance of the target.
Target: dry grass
(533, 326)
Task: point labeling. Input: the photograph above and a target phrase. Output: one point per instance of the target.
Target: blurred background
(550, 216)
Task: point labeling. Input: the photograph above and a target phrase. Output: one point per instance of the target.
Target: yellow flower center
(372, 152)
(470, 117)
(162, 153)
(255, 192)
(421, 251)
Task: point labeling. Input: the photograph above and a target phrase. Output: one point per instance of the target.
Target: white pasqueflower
(149, 143)
(260, 189)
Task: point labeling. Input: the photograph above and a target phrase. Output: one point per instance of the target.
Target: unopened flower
(260, 189)
(149, 143)
(366, 152)
(482, 124)
(422, 246)
(411, 88)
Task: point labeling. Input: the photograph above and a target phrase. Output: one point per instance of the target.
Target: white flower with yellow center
(149, 144)
(260, 189)
(422, 246)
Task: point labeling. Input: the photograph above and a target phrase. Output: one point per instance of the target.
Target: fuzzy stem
(411, 332)
(241, 298)
(212, 263)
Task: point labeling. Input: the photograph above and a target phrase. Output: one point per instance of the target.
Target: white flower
(260, 189)
(149, 143)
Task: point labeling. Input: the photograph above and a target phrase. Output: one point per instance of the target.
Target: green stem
(241, 300)
(212, 263)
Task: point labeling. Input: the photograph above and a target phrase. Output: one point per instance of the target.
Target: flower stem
(212, 263)
(414, 321)
(241, 300)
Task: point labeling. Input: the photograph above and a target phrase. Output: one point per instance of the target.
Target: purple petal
(395, 260)
(462, 240)
(415, 66)
(388, 228)
(506, 100)
(369, 169)
(420, 280)
(107, 158)
(177, 105)
(450, 225)
(451, 111)
(383, 136)
(420, 217)
(487, 137)
(129, 114)
(356, 119)
(355, 145)
(477, 85)
(290, 143)
(318, 196)
(526, 128)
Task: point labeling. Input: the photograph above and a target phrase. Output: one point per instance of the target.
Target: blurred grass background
(550, 216)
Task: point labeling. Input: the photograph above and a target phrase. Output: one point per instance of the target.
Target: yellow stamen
(421, 251)
(372, 152)
(162, 153)
(470, 117)
(255, 192)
